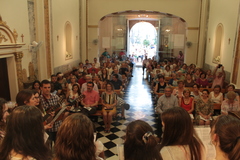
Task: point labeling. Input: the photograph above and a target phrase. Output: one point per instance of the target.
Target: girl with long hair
(36, 86)
(140, 143)
(180, 140)
(73, 94)
(75, 139)
(24, 137)
(104, 75)
(225, 136)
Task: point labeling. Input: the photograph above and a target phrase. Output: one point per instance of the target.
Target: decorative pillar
(47, 37)
(18, 58)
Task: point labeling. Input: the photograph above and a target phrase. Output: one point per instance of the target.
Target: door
(4, 82)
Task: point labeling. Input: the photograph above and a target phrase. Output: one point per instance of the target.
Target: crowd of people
(58, 111)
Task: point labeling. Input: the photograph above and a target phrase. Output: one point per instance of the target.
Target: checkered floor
(139, 97)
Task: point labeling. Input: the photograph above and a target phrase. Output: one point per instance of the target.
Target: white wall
(226, 13)
(63, 11)
(189, 10)
(15, 13)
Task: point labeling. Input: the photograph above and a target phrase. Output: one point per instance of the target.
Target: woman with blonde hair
(109, 102)
(75, 139)
(225, 135)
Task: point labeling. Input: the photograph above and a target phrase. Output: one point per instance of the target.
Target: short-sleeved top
(90, 97)
(204, 108)
(188, 106)
(188, 84)
(173, 82)
(216, 99)
(202, 84)
(117, 84)
(225, 107)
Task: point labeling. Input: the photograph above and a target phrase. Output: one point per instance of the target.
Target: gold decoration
(2, 37)
(15, 34)
(2, 23)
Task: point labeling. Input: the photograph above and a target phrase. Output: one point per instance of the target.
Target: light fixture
(167, 30)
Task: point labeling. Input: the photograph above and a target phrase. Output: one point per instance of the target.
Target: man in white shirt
(97, 64)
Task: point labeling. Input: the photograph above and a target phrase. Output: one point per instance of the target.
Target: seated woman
(209, 76)
(25, 97)
(161, 85)
(187, 102)
(178, 91)
(202, 81)
(173, 81)
(167, 72)
(140, 143)
(180, 141)
(73, 95)
(188, 81)
(36, 86)
(62, 81)
(225, 136)
(97, 80)
(76, 141)
(109, 102)
(230, 104)
(231, 87)
(21, 142)
(3, 117)
(216, 95)
(73, 81)
(197, 73)
(196, 92)
(204, 109)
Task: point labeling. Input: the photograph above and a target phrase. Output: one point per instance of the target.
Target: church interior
(41, 38)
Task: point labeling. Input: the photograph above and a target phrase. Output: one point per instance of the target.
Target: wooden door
(4, 82)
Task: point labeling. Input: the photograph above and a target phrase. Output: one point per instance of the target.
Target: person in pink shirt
(218, 79)
(90, 100)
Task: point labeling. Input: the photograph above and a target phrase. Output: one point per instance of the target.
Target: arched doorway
(114, 32)
(143, 40)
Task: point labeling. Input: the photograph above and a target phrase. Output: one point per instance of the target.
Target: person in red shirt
(83, 79)
(90, 100)
(92, 69)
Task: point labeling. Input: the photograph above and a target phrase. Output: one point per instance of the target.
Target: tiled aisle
(139, 97)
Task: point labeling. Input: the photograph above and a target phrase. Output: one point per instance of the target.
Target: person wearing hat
(230, 104)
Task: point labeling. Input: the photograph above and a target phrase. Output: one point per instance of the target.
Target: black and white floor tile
(139, 97)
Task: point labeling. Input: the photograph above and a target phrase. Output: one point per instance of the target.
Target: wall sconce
(188, 44)
(95, 41)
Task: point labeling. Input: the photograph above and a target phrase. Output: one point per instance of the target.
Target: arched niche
(114, 31)
(68, 40)
(218, 44)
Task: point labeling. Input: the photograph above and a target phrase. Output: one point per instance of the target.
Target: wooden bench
(99, 112)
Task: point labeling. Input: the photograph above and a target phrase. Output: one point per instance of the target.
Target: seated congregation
(60, 112)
